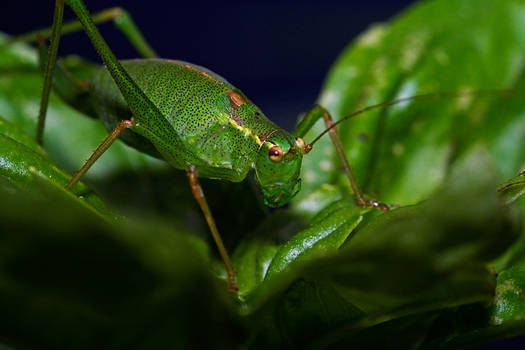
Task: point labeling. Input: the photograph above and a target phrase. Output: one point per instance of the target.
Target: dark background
(277, 52)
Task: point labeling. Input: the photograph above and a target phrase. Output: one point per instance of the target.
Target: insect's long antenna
(430, 96)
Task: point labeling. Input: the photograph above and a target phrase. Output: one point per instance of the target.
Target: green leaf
(482, 323)
(70, 278)
(82, 271)
(327, 232)
(466, 223)
(261, 257)
(514, 188)
(402, 154)
(403, 333)
(502, 317)
(509, 302)
(70, 137)
(411, 260)
(10, 130)
(26, 170)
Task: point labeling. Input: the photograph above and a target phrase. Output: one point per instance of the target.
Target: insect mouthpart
(277, 195)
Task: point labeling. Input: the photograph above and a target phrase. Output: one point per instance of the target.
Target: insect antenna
(430, 96)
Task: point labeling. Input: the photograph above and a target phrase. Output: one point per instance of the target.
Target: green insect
(188, 116)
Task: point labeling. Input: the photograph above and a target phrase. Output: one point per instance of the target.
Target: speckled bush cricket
(190, 117)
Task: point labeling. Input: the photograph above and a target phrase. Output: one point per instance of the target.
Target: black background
(277, 52)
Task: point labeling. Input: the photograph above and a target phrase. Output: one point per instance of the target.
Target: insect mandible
(188, 116)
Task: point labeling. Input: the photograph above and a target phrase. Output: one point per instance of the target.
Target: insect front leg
(108, 141)
(306, 124)
(196, 189)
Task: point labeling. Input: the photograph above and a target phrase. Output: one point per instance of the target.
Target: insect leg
(148, 117)
(108, 141)
(50, 68)
(136, 99)
(201, 199)
(120, 17)
(72, 91)
(302, 128)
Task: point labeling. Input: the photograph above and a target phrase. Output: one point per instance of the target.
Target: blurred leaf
(27, 171)
(446, 238)
(71, 280)
(407, 261)
(482, 323)
(84, 273)
(66, 129)
(10, 130)
(485, 322)
(402, 154)
(402, 333)
(317, 200)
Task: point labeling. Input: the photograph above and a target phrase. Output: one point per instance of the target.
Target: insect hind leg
(201, 199)
(360, 198)
(140, 105)
(71, 90)
(122, 20)
(108, 141)
(49, 69)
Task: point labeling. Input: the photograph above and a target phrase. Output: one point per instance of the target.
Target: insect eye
(276, 154)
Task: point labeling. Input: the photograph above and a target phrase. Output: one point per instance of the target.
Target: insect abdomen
(196, 105)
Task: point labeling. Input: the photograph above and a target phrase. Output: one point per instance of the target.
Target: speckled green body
(200, 125)
(197, 108)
